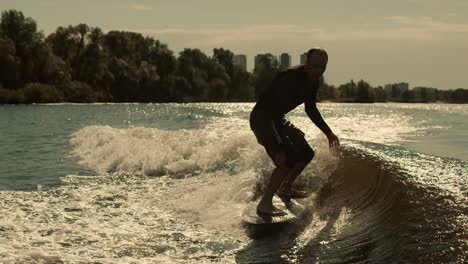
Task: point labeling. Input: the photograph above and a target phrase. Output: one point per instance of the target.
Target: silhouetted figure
(285, 143)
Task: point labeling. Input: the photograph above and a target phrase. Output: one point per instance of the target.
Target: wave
(153, 151)
(375, 208)
(372, 203)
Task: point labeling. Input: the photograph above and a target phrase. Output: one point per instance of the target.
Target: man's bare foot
(292, 193)
(269, 211)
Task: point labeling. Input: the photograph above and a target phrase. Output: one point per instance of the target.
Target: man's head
(316, 63)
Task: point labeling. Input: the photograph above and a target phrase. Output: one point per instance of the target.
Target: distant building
(257, 61)
(240, 60)
(303, 57)
(284, 61)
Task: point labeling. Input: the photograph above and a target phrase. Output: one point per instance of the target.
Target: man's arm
(316, 117)
(312, 111)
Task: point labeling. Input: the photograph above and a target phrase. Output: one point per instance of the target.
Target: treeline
(363, 92)
(83, 64)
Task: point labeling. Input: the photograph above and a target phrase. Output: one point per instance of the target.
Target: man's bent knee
(281, 164)
(280, 160)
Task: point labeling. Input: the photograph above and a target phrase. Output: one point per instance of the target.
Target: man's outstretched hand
(333, 141)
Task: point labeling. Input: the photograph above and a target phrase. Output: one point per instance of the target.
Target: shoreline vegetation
(81, 64)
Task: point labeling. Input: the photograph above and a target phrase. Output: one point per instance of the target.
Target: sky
(422, 42)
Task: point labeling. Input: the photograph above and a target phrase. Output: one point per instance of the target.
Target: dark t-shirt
(289, 89)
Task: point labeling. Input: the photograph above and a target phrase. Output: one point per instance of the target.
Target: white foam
(224, 153)
(216, 201)
(154, 151)
(111, 219)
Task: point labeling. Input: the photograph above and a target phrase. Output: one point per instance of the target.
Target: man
(284, 143)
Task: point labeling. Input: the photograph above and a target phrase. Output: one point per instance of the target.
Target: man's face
(316, 65)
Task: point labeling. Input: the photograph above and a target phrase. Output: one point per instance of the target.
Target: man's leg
(266, 203)
(302, 154)
(286, 187)
(279, 174)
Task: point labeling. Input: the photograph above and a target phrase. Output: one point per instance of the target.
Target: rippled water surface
(167, 183)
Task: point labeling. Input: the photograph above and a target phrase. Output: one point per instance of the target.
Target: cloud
(428, 28)
(256, 33)
(140, 7)
(428, 24)
(399, 28)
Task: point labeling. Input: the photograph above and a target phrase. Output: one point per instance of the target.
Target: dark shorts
(279, 135)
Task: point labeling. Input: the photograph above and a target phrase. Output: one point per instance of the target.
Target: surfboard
(291, 207)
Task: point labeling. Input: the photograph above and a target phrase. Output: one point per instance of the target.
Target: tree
(326, 92)
(79, 92)
(93, 66)
(129, 46)
(242, 85)
(21, 30)
(266, 69)
(365, 93)
(224, 57)
(380, 95)
(82, 30)
(348, 90)
(9, 66)
(161, 56)
(29, 47)
(41, 93)
(64, 43)
(458, 96)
